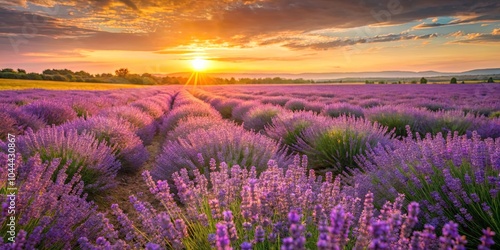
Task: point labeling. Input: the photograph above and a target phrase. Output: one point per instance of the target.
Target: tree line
(423, 80)
(123, 75)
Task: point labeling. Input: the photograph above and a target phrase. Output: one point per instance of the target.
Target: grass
(15, 84)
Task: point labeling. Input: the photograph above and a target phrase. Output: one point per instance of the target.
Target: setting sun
(199, 64)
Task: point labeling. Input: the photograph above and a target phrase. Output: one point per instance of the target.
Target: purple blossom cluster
(83, 154)
(282, 208)
(116, 133)
(453, 178)
(143, 123)
(50, 214)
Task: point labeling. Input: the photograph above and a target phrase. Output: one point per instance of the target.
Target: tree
(423, 80)
(21, 71)
(453, 80)
(490, 80)
(8, 70)
(123, 72)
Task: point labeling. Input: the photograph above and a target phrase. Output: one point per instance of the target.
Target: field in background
(13, 84)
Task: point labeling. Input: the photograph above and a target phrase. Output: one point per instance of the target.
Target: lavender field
(252, 167)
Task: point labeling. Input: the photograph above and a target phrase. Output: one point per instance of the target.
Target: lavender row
(195, 132)
(37, 109)
(395, 115)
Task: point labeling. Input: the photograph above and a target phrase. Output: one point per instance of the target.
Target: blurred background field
(14, 84)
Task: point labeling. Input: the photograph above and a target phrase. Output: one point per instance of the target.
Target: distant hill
(358, 75)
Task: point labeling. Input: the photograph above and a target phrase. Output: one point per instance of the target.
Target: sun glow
(199, 64)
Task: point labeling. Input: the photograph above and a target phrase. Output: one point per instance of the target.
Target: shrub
(225, 107)
(191, 123)
(453, 178)
(335, 146)
(8, 125)
(230, 144)
(82, 154)
(295, 105)
(170, 121)
(150, 107)
(84, 107)
(451, 121)
(117, 133)
(54, 113)
(49, 214)
(275, 100)
(144, 124)
(370, 103)
(340, 109)
(25, 120)
(488, 129)
(397, 117)
(314, 106)
(242, 109)
(287, 127)
(260, 116)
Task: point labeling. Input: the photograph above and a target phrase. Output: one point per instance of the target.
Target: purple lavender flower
(118, 134)
(487, 240)
(50, 111)
(222, 238)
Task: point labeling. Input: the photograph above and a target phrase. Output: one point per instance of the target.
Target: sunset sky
(279, 36)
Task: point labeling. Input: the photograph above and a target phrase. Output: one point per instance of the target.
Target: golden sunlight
(199, 64)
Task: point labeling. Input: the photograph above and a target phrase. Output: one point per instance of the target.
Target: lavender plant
(83, 154)
(242, 109)
(453, 178)
(51, 112)
(287, 127)
(295, 105)
(398, 117)
(144, 124)
(228, 143)
(128, 148)
(49, 215)
(260, 116)
(335, 145)
(340, 109)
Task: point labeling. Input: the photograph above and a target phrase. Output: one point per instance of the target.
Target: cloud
(470, 20)
(493, 37)
(155, 25)
(349, 41)
(255, 59)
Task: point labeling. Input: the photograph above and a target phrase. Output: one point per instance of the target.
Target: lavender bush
(453, 178)
(51, 112)
(144, 124)
(398, 117)
(241, 110)
(228, 143)
(287, 127)
(170, 121)
(335, 145)
(82, 154)
(127, 146)
(150, 107)
(8, 125)
(259, 117)
(50, 215)
(295, 105)
(340, 109)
